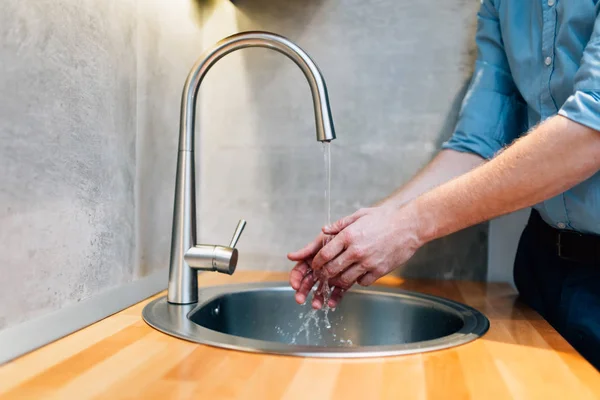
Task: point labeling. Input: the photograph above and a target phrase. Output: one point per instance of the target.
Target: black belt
(568, 245)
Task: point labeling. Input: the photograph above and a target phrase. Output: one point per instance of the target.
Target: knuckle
(321, 255)
(368, 265)
(358, 252)
(350, 254)
(348, 236)
(345, 281)
(329, 269)
(326, 254)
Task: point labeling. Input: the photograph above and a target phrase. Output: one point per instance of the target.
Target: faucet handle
(238, 232)
(206, 257)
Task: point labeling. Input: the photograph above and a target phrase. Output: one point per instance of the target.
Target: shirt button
(561, 225)
(551, 3)
(548, 61)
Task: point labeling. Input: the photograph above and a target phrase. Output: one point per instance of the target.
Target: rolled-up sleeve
(583, 106)
(493, 112)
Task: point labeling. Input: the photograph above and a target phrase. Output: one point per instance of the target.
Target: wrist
(423, 224)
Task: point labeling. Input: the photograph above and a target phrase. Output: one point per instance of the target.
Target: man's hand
(445, 166)
(303, 277)
(366, 246)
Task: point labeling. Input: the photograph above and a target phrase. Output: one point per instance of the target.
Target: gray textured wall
(89, 107)
(67, 151)
(76, 88)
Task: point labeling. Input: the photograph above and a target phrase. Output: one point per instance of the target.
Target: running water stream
(322, 287)
(327, 168)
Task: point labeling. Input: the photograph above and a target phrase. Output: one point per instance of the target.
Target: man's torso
(544, 42)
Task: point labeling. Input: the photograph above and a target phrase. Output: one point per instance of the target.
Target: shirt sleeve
(583, 106)
(493, 112)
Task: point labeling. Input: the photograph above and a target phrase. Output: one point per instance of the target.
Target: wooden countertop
(121, 357)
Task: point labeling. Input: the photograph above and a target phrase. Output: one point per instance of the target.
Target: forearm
(448, 164)
(554, 157)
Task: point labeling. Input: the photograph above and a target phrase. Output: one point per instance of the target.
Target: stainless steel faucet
(187, 257)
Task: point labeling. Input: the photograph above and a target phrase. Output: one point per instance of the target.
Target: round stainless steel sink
(264, 318)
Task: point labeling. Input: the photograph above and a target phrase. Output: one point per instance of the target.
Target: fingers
(342, 223)
(329, 252)
(336, 296)
(298, 273)
(317, 301)
(350, 276)
(305, 286)
(339, 264)
(309, 250)
(313, 247)
(342, 282)
(368, 279)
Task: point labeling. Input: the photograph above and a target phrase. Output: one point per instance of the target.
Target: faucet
(187, 258)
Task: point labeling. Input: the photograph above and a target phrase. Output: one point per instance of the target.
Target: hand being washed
(366, 246)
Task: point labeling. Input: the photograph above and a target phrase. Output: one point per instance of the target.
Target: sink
(369, 322)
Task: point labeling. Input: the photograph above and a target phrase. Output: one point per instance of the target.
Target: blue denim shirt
(536, 58)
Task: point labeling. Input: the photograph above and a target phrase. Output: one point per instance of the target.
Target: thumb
(342, 223)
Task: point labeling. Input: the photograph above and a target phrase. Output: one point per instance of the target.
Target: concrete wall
(80, 82)
(89, 109)
(67, 151)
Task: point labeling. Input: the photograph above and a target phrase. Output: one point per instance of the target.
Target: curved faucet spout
(182, 278)
(323, 119)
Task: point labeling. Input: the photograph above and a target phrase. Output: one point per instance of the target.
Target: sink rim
(173, 320)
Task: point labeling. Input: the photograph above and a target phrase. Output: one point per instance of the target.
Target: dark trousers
(566, 293)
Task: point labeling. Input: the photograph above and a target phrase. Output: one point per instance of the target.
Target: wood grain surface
(121, 357)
